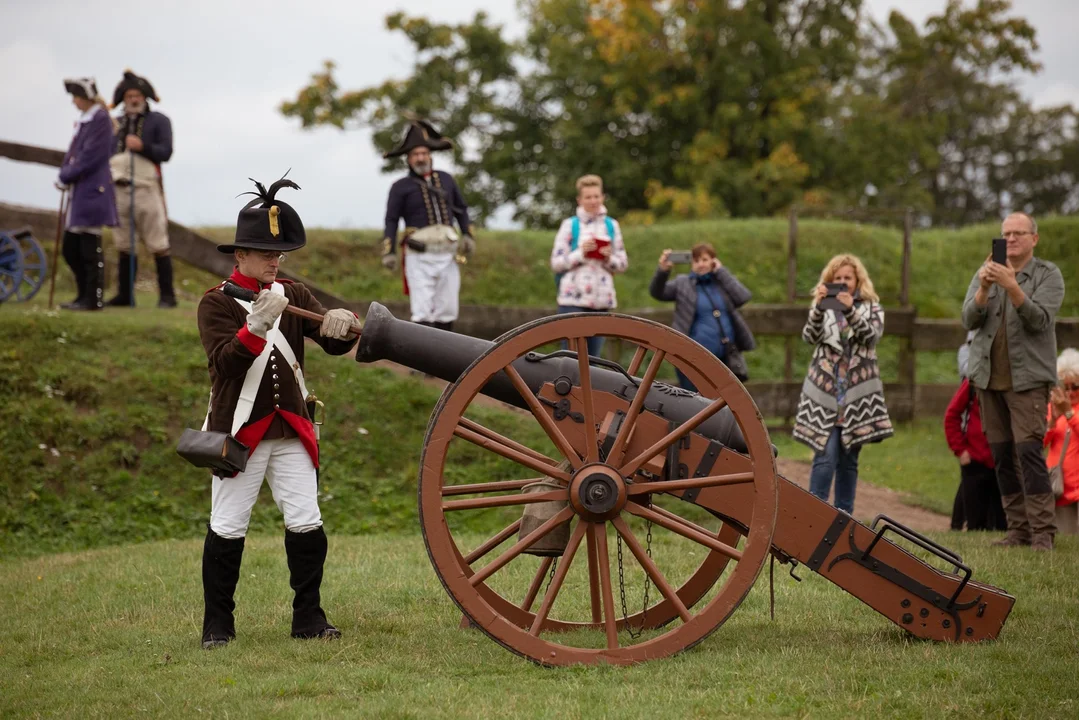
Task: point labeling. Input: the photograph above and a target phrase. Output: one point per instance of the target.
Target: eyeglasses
(269, 255)
(1016, 233)
(1071, 387)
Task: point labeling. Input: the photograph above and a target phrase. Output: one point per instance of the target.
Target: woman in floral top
(842, 404)
(588, 252)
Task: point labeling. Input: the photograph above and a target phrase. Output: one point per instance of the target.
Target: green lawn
(114, 633)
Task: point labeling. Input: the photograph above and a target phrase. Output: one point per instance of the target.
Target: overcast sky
(221, 69)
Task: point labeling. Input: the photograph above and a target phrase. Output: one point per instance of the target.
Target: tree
(697, 108)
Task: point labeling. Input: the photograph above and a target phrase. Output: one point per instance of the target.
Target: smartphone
(596, 254)
(681, 257)
(1000, 251)
(829, 301)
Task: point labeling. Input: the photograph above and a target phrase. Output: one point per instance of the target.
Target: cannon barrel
(447, 355)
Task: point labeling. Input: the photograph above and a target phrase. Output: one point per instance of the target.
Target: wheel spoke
(523, 544)
(681, 529)
(650, 567)
(488, 487)
(609, 620)
(492, 435)
(679, 519)
(638, 358)
(493, 542)
(544, 419)
(559, 578)
(537, 583)
(593, 575)
(689, 483)
(503, 500)
(585, 372)
(614, 457)
(546, 466)
(672, 437)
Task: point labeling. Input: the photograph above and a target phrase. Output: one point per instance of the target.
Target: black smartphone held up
(830, 301)
(1000, 251)
(681, 257)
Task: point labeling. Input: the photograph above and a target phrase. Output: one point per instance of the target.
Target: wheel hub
(597, 492)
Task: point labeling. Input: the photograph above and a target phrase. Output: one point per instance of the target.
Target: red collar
(248, 283)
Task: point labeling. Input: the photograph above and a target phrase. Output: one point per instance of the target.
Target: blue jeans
(843, 464)
(595, 344)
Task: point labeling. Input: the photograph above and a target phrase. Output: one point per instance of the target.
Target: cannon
(22, 265)
(628, 453)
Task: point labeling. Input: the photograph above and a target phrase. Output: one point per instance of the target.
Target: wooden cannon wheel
(22, 265)
(485, 591)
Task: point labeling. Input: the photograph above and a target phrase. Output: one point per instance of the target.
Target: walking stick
(56, 246)
(131, 219)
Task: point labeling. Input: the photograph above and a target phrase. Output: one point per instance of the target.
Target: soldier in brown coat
(258, 394)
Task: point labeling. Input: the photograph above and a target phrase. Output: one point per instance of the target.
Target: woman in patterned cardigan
(842, 403)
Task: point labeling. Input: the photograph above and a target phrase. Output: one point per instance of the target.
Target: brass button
(275, 376)
(273, 367)
(276, 398)
(276, 386)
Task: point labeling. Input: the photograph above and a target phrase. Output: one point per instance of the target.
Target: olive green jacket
(1031, 327)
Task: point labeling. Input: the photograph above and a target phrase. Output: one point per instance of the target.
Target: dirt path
(871, 500)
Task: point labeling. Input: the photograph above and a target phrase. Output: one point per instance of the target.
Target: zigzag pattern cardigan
(865, 412)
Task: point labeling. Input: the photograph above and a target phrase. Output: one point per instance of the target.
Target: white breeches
(291, 475)
(434, 282)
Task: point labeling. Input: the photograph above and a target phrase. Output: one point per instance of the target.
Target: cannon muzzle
(447, 355)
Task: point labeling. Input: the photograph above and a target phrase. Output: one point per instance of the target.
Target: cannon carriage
(22, 265)
(628, 455)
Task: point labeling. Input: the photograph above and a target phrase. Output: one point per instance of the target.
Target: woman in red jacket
(1064, 417)
(978, 491)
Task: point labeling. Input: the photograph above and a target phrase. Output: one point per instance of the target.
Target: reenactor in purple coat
(85, 172)
(142, 142)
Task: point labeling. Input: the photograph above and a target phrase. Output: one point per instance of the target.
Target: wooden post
(792, 296)
(908, 370)
(904, 278)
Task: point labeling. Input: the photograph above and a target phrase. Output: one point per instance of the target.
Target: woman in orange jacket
(1064, 422)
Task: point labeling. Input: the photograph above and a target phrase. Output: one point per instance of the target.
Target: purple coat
(86, 169)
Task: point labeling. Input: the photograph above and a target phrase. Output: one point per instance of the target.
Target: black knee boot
(221, 559)
(73, 257)
(126, 265)
(306, 554)
(93, 264)
(167, 297)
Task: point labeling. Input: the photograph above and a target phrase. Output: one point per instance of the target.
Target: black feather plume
(268, 195)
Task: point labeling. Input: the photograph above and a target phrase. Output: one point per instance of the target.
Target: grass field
(113, 633)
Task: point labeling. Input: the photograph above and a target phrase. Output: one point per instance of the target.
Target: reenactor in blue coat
(143, 141)
(428, 201)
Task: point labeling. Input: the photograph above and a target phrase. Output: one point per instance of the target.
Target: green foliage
(695, 110)
(114, 633)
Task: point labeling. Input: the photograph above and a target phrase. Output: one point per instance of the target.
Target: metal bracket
(562, 409)
(704, 468)
(820, 553)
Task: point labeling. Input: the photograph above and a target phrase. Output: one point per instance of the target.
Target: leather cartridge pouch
(433, 239)
(217, 450)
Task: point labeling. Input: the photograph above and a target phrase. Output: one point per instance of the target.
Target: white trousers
(291, 475)
(434, 282)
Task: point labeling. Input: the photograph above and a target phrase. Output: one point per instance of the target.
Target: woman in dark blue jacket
(92, 205)
(706, 303)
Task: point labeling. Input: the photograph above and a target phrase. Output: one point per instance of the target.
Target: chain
(550, 577)
(634, 633)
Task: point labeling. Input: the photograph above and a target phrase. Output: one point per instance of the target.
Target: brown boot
(1013, 539)
(1043, 542)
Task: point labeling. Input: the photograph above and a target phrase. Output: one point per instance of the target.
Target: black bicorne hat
(84, 88)
(266, 223)
(132, 81)
(420, 133)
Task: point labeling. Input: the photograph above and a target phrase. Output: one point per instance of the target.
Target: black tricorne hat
(266, 223)
(132, 81)
(420, 133)
(84, 88)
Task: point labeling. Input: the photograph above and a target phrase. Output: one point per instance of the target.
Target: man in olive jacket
(1013, 310)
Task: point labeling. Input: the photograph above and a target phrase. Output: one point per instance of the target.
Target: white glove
(389, 261)
(267, 308)
(336, 323)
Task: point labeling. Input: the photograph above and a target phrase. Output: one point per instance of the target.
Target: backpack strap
(575, 232)
(610, 227)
